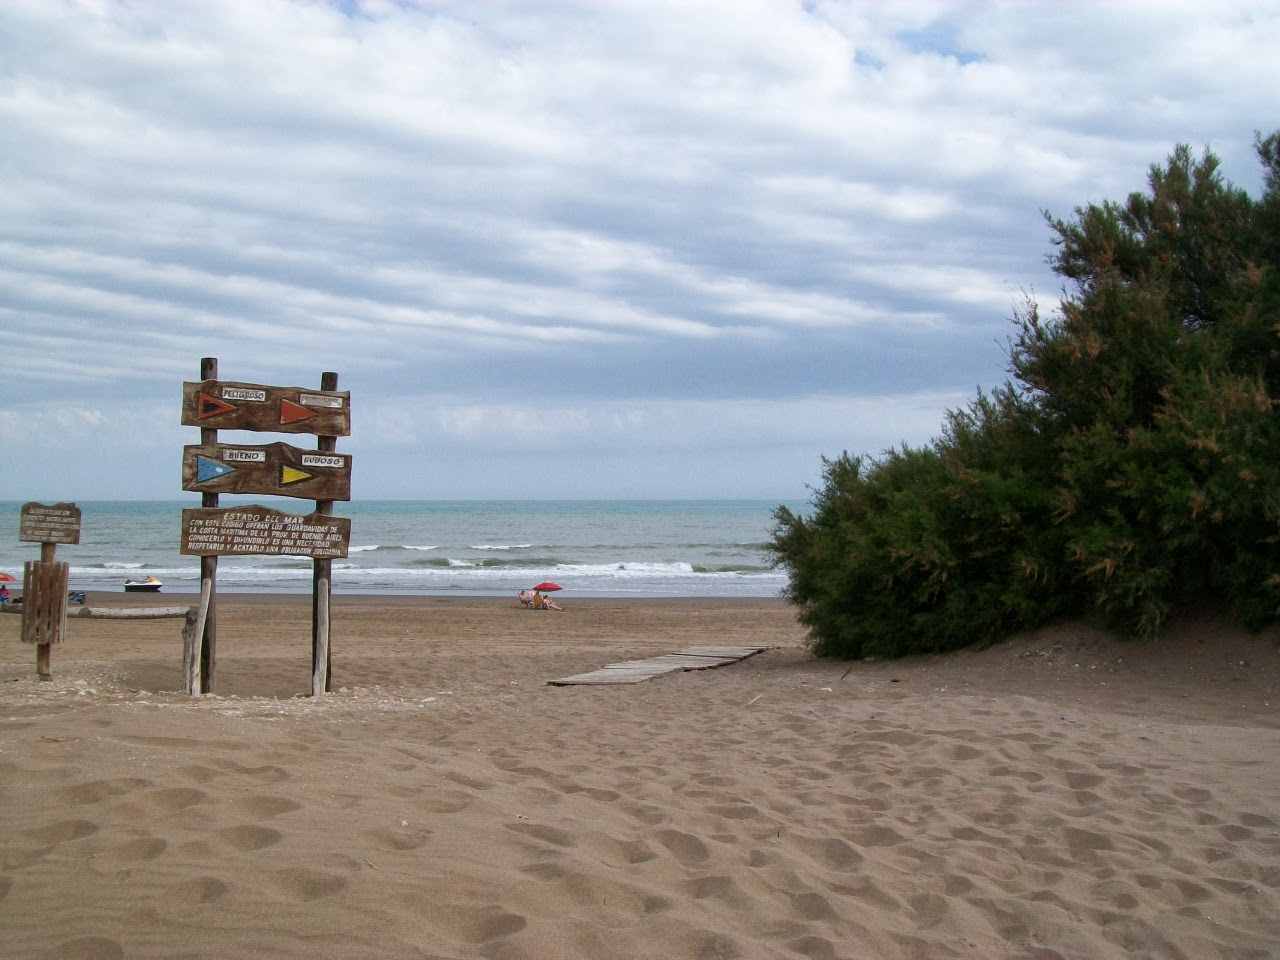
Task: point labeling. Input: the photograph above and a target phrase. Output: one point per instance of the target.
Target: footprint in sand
(875, 835)
(833, 853)
(198, 773)
(1234, 832)
(547, 834)
(481, 925)
(398, 840)
(930, 909)
(618, 853)
(1192, 794)
(262, 807)
(96, 791)
(685, 847)
(192, 893)
(1079, 840)
(305, 885)
(1083, 781)
(248, 837)
(546, 870)
(713, 888)
(86, 948)
(646, 813)
(735, 811)
(134, 851)
(173, 799)
(62, 832)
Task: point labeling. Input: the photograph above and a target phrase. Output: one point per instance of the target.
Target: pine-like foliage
(1131, 466)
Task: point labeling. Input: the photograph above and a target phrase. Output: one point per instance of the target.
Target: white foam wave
(624, 569)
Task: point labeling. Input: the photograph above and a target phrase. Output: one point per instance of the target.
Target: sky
(598, 249)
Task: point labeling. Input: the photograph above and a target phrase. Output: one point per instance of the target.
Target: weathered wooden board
(609, 676)
(128, 613)
(685, 662)
(637, 671)
(44, 602)
(242, 531)
(49, 523)
(274, 469)
(226, 405)
(643, 666)
(738, 653)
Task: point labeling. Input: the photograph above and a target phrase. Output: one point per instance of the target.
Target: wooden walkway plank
(638, 671)
(607, 677)
(683, 662)
(738, 653)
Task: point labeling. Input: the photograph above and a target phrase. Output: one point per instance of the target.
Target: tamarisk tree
(1130, 466)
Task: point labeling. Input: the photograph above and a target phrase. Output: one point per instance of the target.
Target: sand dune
(1059, 796)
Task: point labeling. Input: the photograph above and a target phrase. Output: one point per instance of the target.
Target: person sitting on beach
(539, 601)
(4, 593)
(550, 604)
(525, 599)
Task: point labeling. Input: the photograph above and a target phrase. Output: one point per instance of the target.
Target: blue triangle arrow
(207, 469)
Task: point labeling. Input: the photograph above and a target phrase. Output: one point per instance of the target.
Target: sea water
(600, 548)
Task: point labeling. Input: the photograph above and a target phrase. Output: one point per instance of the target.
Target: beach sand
(1061, 795)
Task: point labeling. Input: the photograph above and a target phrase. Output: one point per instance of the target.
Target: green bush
(1128, 468)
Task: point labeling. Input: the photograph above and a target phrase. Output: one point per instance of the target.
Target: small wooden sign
(240, 531)
(274, 469)
(43, 523)
(224, 405)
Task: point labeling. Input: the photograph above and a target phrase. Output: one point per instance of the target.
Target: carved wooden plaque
(274, 469)
(231, 531)
(49, 523)
(225, 405)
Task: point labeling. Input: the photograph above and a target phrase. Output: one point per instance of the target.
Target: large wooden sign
(273, 468)
(224, 405)
(56, 523)
(240, 531)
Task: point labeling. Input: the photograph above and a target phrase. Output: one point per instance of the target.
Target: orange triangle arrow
(291, 412)
(207, 406)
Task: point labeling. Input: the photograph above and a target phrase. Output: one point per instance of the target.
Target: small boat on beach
(149, 585)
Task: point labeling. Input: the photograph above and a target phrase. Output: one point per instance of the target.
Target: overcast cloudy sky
(609, 248)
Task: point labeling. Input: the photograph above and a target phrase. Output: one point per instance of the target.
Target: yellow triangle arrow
(290, 475)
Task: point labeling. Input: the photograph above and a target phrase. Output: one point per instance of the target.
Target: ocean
(591, 548)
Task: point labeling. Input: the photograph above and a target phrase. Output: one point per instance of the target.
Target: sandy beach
(1061, 796)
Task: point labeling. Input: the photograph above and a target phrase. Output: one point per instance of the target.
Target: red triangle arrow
(207, 406)
(291, 412)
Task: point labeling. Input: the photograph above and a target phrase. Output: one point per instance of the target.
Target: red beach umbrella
(10, 578)
(548, 587)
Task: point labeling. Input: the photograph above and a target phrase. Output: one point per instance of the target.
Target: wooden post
(197, 617)
(321, 572)
(207, 638)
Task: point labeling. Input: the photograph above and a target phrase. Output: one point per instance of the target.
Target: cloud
(701, 239)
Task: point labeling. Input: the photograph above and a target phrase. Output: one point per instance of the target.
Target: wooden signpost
(276, 469)
(44, 581)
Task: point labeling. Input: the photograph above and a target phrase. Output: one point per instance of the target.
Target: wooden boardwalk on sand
(638, 671)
